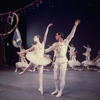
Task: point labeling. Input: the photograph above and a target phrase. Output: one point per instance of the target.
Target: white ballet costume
(22, 64)
(71, 52)
(22, 61)
(87, 62)
(37, 56)
(74, 62)
(97, 62)
(60, 65)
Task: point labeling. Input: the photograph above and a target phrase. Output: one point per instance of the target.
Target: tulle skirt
(74, 63)
(37, 59)
(88, 63)
(97, 63)
(22, 64)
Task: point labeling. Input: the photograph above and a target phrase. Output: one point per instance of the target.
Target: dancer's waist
(61, 59)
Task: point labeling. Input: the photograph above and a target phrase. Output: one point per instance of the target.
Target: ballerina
(87, 62)
(71, 51)
(60, 64)
(97, 62)
(22, 61)
(74, 62)
(36, 56)
(87, 53)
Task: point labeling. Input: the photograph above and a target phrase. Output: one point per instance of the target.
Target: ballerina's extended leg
(30, 65)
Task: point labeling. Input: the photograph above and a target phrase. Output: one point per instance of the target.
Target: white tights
(59, 76)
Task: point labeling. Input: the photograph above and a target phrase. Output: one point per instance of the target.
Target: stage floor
(83, 85)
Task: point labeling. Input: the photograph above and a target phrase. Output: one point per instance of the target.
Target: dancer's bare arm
(46, 33)
(71, 35)
(27, 50)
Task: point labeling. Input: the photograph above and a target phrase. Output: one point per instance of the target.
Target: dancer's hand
(18, 53)
(50, 25)
(77, 22)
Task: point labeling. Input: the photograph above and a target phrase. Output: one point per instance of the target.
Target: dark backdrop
(62, 13)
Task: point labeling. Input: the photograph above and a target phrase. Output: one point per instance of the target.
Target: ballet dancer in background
(87, 53)
(71, 51)
(22, 61)
(60, 50)
(35, 55)
(87, 62)
(74, 62)
(97, 62)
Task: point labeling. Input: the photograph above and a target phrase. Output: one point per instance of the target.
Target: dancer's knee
(62, 79)
(55, 78)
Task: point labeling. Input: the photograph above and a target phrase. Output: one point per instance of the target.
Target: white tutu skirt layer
(87, 63)
(97, 64)
(74, 63)
(22, 64)
(77, 63)
(71, 63)
(37, 60)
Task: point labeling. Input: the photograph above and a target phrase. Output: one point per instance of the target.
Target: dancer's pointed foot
(54, 93)
(30, 70)
(80, 70)
(95, 69)
(41, 90)
(16, 70)
(46, 70)
(21, 73)
(59, 94)
(98, 71)
(67, 69)
(34, 70)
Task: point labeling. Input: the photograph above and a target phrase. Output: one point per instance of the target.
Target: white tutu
(38, 59)
(77, 63)
(87, 63)
(74, 63)
(71, 63)
(22, 64)
(97, 63)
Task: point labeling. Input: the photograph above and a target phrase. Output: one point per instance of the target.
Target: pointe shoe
(34, 70)
(41, 91)
(98, 71)
(59, 94)
(47, 70)
(80, 70)
(30, 70)
(21, 73)
(15, 70)
(55, 92)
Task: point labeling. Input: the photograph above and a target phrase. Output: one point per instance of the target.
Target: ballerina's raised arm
(46, 33)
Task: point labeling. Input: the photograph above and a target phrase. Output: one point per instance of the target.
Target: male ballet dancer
(60, 50)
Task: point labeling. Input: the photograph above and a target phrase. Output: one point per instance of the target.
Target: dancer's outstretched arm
(50, 48)
(85, 47)
(25, 51)
(46, 33)
(95, 58)
(71, 35)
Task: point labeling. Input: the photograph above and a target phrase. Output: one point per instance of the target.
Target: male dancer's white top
(60, 50)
